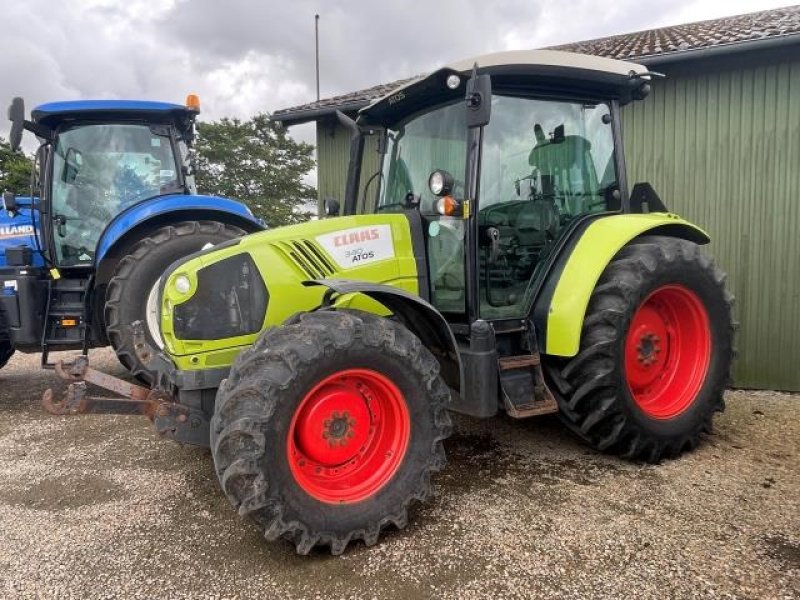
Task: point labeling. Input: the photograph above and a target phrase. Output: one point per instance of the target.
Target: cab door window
(544, 164)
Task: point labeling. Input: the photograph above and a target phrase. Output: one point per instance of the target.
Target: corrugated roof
(649, 43)
(693, 36)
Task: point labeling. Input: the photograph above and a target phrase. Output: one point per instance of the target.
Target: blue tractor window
(100, 170)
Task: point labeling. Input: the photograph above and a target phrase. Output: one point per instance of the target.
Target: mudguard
(559, 310)
(177, 207)
(418, 315)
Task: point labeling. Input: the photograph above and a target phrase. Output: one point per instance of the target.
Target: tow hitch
(135, 399)
(170, 418)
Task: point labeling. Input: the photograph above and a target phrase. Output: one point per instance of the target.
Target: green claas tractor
(497, 261)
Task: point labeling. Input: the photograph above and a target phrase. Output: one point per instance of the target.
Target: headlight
(230, 300)
(182, 284)
(440, 183)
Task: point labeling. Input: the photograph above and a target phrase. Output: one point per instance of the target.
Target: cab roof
(53, 113)
(553, 71)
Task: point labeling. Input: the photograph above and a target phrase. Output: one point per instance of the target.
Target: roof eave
(315, 114)
(719, 50)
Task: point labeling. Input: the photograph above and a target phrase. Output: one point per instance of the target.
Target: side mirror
(10, 203)
(558, 135)
(479, 99)
(16, 114)
(538, 133)
(73, 164)
(331, 206)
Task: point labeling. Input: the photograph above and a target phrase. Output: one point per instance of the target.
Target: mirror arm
(40, 130)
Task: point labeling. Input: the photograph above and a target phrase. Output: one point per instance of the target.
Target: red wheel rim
(667, 351)
(348, 436)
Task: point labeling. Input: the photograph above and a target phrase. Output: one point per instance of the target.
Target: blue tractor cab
(113, 204)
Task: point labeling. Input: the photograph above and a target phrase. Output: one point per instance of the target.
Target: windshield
(417, 146)
(98, 171)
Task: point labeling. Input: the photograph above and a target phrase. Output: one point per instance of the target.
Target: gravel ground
(97, 507)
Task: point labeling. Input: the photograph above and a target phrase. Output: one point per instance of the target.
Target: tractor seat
(571, 151)
(536, 222)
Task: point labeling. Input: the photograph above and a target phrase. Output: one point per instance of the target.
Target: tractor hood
(216, 302)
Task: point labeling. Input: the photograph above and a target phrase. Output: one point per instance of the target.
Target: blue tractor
(113, 203)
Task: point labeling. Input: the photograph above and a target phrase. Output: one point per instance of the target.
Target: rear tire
(656, 353)
(329, 427)
(137, 274)
(6, 349)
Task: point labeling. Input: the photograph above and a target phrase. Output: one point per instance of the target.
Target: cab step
(65, 320)
(525, 393)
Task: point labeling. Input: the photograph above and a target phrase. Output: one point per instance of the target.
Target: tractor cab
(97, 159)
(499, 181)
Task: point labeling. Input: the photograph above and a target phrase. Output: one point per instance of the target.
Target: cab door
(544, 164)
(99, 170)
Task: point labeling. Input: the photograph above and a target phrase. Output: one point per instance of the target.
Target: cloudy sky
(248, 56)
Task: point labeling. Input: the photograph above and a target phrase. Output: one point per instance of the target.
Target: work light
(440, 182)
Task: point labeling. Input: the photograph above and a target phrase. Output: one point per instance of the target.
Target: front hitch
(171, 419)
(135, 399)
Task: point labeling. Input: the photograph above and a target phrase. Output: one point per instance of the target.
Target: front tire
(656, 353)
(328, 429)
(137, 274)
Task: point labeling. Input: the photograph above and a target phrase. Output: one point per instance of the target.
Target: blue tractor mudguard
(170, 209)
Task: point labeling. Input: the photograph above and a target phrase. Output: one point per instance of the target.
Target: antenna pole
(316, 43)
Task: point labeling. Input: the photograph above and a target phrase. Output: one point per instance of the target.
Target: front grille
(230, 300)
(308, 257)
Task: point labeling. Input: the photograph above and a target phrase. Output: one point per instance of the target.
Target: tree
(15, 170)
(255, 161)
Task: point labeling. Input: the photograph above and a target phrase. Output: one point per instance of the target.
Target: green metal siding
(721, 144)
(333, 153)
(722, 148)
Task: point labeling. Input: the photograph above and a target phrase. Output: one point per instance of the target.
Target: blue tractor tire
(133, 285)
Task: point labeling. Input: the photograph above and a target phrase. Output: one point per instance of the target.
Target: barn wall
(721, 145)
(333, 154)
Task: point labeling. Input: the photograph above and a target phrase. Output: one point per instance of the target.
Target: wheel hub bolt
(338, 429)
(647, 349)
